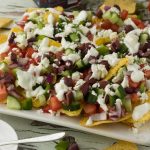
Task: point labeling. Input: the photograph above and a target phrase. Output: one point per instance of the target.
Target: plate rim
(104, 130)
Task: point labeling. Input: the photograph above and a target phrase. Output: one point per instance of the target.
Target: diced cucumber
(143, 38)
(41, 101)
(123, 48)
(89, 15)
(26, 104)
(3, 67)
(40, 37)
(107, 15)
(69, 51)
(66, 73)
(13, 103)
(120, 22)
(112, 100)
(142, 87)
(74, 37)
(103, 50)
(48, 87)
(99, 91)
(92, 98)
(40, 25)
(128, 105)
(114, 18)
(80, 64)
(120, 92)
(78, 95)
(73, 106)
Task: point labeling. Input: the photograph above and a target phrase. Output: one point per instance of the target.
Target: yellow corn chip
(32, 9)
(5, 22)
(95, 123)
(54, 43)
(123, 145)
(71, 113)
(3, 38)
(129, 5)
(17, 29)
(112, 72)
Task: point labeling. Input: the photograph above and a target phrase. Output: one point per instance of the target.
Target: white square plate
(117, 131)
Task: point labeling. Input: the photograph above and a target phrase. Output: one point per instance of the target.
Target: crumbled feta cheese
(147, 67)
(140, 110)
(61, 88)
(76, 75)
(66, 44)
(131, 40)
(81, 17)
(21, 40)
(129, 21)
(67, 30)
(130, 59)
(48, 31)
(50, 19)
(125, 82)
(112, 59)
(84, 39)
(78, 84)
(29, 26)
(107, 34)
(91, 52)
(110, 89)
(137, 76)
(118, 104)
(84, 29)
(98, 71)
(143, 96)
(133, 67)
(101, 101)
(95, 85)
(72, 57)
(93, 30)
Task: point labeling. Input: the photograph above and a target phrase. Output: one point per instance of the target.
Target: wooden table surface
(28, 128)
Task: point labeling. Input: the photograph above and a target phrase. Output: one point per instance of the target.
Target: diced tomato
(123, 14)
(138, 22)
(148, 7)
(3, 55)
(59, 54)
(25, 18)
(100, 110)
(29, 52)
(106, 24)
(133, 84)
(3, 92)
(90, 109)
(147, 74)
(115, 27)
(90, 36)
(134, 98)
(46, 109)
(55, 104)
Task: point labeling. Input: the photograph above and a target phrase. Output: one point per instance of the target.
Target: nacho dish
(92, 65)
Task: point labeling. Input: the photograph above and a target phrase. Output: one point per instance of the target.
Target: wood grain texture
(27, 128)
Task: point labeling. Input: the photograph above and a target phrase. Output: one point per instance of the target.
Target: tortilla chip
(5, 22)
(3, 38)
(123, 145)
(113, 71)
(96, 123)
(124, 4)
(71, 113)
(16, 29)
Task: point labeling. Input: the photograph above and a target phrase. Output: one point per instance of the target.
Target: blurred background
(142, 6)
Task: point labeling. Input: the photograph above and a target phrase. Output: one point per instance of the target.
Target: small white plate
(7, 133)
